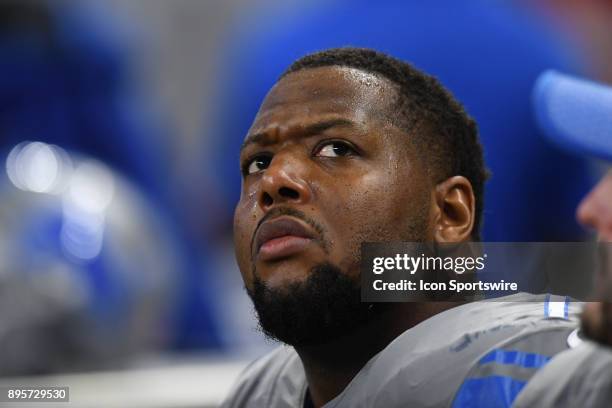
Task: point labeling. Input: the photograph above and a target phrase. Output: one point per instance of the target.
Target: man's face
(595, 211)
(324, 171)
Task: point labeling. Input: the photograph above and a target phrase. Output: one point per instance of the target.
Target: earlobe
(456, 204)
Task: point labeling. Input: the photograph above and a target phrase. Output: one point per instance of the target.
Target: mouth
(281, 238)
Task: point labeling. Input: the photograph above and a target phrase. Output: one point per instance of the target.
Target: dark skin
(322, 144)
(595, 211)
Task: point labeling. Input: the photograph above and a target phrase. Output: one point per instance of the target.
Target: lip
(281, 237)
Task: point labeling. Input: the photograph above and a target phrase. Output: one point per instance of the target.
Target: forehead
(313, 93)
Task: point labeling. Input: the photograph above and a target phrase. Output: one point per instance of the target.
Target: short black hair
(425, 110)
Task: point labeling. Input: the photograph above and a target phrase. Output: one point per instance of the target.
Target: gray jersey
(477, 354)
(581, 377)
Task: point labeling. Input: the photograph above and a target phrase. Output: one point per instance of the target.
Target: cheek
(376, 207)
(245, 221)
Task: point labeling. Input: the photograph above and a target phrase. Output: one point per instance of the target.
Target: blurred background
(120, 124)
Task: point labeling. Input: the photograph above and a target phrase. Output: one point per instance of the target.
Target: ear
(455, 210)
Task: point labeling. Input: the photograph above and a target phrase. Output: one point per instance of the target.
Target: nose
(595, 210)
(284, 182)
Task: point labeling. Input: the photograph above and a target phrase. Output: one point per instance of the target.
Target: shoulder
(503, 371)
(577, 377)
(428, 365)
(276, 379)
(542, 329)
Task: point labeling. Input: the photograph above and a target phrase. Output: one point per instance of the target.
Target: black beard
(326, 306)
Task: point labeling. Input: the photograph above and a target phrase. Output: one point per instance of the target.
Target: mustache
(279, 211)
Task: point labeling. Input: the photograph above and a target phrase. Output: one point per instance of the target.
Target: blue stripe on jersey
(494, 391)
(520, 358)
(546, 305)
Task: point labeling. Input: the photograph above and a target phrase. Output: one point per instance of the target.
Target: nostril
(288, 193)
(267, 199)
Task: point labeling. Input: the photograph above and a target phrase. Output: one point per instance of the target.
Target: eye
(335, 149)
(257, 164)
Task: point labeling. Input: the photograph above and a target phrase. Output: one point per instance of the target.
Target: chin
(293, 269)
(309, 308)
(280, 276)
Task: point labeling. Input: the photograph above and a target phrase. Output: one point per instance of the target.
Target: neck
(330, 367)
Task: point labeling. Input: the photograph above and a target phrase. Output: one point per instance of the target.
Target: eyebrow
(263, 138)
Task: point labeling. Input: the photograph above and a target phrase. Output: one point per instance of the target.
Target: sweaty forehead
(326, 91)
